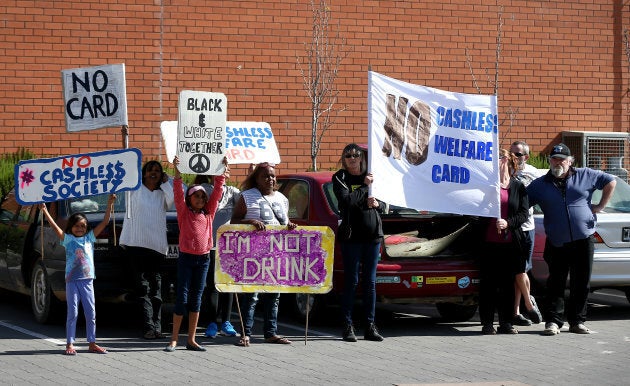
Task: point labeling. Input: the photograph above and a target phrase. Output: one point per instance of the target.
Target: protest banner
(201, 132)
(275, 260)
(431, 149)
(80, 175)
(246, 142)
(94, 97)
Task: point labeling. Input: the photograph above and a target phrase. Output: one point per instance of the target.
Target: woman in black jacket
(360, 234)
(504, 251)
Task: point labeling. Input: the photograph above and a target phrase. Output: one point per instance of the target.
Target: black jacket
(352, 196)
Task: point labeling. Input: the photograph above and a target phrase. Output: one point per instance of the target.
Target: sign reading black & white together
(95, 97)
(201, 132)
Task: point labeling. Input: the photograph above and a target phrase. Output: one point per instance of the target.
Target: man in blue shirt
(564, 195)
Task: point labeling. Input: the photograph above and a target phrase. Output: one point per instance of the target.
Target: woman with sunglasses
(360, 234)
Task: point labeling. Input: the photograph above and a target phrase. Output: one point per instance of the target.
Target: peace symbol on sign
(199, 163)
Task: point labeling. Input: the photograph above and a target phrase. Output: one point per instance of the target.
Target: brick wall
(562, 66)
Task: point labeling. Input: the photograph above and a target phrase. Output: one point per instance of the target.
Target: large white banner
(433, 150)
(94, 97)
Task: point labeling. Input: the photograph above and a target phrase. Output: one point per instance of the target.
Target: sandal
(97, 350)
(149, 335)
(278, 340)
(70, 351)
(243, 342)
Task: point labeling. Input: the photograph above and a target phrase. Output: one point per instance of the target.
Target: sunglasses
(355, 155)
(518, 154)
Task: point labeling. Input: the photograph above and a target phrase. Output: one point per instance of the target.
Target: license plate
(173, 252)
(625, 234)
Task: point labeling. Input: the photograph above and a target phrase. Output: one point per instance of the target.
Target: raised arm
(607, 192)
(110, 203)
(52, 222)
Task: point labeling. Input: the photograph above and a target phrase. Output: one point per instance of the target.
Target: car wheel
(44, 304)
(453, 312)
(298, 305)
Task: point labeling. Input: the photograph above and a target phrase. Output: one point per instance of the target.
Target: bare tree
(511, 112)
(319, 66)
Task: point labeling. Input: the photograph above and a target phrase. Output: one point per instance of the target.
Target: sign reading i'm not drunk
(201, 132)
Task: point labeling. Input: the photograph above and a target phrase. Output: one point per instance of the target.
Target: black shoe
(488, 329)
(193, 347)
(507, 328)
(348, 334)
(520, 320)
(371, 333)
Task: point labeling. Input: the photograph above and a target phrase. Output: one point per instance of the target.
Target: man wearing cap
(564, 195)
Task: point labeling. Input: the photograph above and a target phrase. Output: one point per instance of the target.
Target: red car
(426, 257)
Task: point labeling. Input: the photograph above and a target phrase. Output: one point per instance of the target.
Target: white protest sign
(80, 175)
(433, 150)
(247, 142)
(201, 132)
(94, 97)
(251, 143)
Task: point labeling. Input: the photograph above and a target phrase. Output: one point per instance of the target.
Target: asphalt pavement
(418, 349)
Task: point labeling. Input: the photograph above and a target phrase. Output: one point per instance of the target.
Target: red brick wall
(562, 66)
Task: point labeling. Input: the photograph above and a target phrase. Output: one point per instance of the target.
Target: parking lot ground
(418, 350)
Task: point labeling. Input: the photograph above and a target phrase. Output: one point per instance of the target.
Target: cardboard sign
(274, 260)
(201, 132)
(80, 175)
(246, 142)
(94, 97)
(251, 143)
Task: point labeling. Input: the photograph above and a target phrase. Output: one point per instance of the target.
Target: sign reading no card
(94, 97)
(274, 260)
(201, 132)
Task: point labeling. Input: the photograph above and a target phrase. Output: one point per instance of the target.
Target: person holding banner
(260, 205)
(360, 234)
(144, 239)
(505, 251)
(78, 241)
(195, 212)
(220, 303)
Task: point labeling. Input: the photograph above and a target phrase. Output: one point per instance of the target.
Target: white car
(611, 261)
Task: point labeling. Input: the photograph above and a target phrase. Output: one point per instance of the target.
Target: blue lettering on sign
(467, 120)
(78, 182)
(247, 137)
(450, 173)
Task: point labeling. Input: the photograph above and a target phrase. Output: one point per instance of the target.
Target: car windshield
(98, 204)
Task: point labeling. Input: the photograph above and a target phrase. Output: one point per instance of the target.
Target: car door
(8, 212)
(17, 248)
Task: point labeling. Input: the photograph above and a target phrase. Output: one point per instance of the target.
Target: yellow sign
(440, 280)
(274, 260)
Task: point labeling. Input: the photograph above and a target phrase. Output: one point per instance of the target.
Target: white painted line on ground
(31, 333)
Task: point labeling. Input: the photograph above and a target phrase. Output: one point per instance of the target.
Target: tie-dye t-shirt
(79, 256)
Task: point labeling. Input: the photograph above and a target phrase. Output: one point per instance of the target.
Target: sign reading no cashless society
(276, 260)
(201, 132)
(94, 97)
(74, 176)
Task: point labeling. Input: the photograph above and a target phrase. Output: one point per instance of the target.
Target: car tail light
(598, 238)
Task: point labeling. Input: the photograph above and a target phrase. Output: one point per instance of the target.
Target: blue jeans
(191, 280)
(80, 291)
(355, 255)
(270, 312)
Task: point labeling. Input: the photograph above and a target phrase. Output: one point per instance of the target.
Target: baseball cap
(195, 188)
(560, 151)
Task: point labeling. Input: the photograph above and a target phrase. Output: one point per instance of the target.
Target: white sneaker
(579, 329)
(551, 329)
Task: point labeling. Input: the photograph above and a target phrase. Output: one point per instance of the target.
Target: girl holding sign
(79, 240)
(195, 213)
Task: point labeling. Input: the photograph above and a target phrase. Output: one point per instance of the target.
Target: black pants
(147, 265)
(574, 259)
(497, 269)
